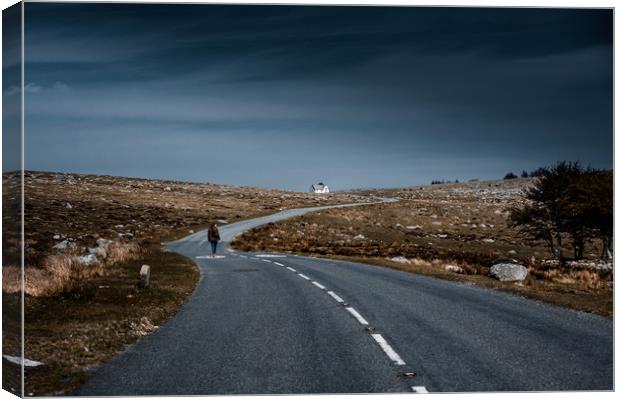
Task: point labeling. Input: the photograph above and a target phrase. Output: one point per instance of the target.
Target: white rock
(415, 227)
(86, 259)
(509, 272)
(102, 242)
(56, 237)
(222, 221)
(64, 245)
(69, 206)
(454, 269)
(400, 259)
(489, 240)
(442, 235)
(359, 237)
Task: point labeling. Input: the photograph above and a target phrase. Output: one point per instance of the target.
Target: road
(259, 324)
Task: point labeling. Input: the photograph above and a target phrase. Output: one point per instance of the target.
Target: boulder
(400, 259)
(86, 259)
(454, 269)
(102, 242)
(65, 244)
(508, 272)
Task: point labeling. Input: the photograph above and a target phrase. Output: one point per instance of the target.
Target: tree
(524, 174)
(509, 176)
(589, 201)
(568, 200)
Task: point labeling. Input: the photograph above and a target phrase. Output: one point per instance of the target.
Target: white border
(470, 3)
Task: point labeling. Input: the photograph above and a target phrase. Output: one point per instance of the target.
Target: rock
(416, 227)
(359, 237)
(454, 269)
(56, 237)
(400, 259)
(102, 242)
(222, 221)
(86, 259)
(512, 252)
(64, 245)
(69, 206)
(489, 240)
(145, 276)
(167, 189)
(508, 272)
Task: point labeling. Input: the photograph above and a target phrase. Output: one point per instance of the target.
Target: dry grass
(79, 315)
(432, 227)
(583, 279)
(63, 272)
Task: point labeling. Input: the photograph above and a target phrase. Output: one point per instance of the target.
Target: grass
(62, 272)
(72, 332)
(79, 315)
(462, 225)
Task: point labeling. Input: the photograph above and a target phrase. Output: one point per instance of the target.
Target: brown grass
(463, 225)
(64, 272)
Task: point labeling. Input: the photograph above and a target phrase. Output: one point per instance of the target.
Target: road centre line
(318, 285)
(419, 389)
(243, 256)
(266, 260)
(291, 269)
(304, 276)
(389, 351)
(336, 297)
(358, 316)
(279, 264)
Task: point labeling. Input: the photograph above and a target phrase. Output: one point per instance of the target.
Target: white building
(319, 188)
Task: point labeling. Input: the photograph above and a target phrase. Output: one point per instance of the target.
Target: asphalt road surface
(282, 324)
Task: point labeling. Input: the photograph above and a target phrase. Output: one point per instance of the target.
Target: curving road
(259, 324)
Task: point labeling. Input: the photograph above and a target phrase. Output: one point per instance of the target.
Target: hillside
(451, 231)
(86, 238)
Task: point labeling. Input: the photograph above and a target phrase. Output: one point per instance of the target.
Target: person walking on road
(213, 236)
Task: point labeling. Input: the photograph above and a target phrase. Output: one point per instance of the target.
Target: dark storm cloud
(281, 96)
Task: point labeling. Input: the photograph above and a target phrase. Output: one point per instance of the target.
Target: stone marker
(145, 276)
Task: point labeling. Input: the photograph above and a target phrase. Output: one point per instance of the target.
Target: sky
(286, 96)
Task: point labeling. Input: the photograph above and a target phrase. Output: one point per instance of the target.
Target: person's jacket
(213, 235)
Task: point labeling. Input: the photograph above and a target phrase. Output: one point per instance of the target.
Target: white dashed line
(279, 264)
(243, 256)
(266, 260)
(255, 258)
(336, 297)
(304, 276)
(357, 316)
(291, 269)
(318, 285)
(391, 353)
(419, 389)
